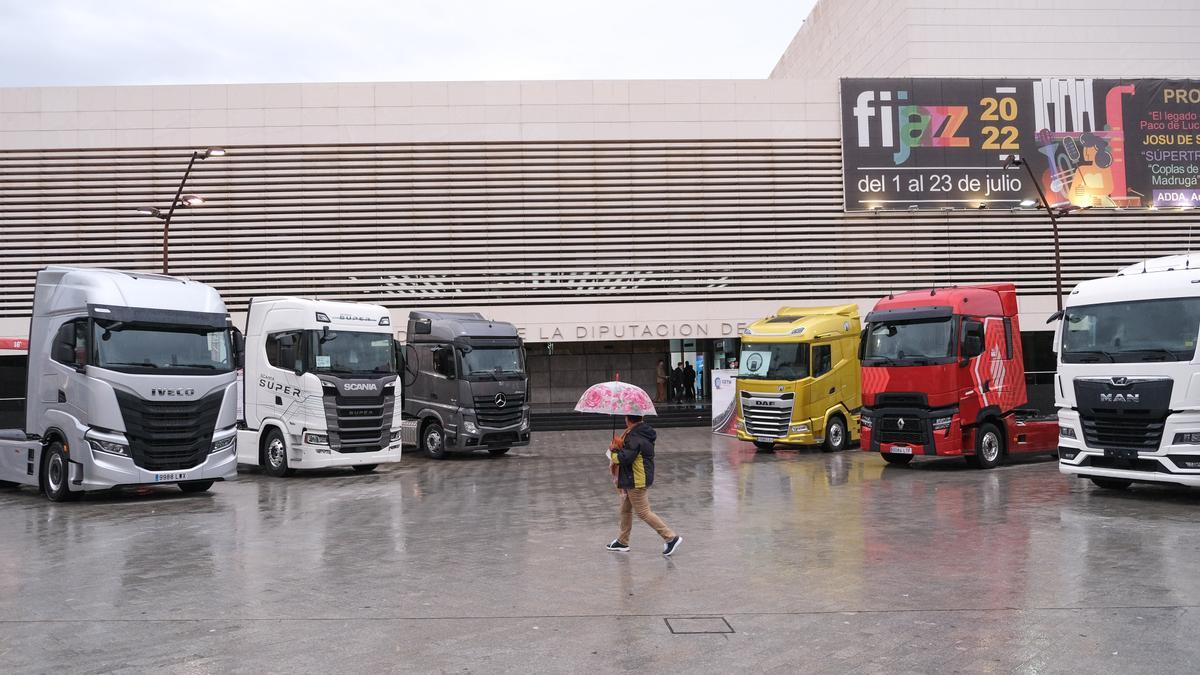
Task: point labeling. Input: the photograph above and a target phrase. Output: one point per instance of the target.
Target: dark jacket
(636, 458)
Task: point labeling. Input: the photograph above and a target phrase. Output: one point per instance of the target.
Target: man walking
(689, 381)
(633, 456)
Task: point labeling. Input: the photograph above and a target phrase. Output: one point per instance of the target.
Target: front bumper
(488, 439)
(1170, 463)
(93, 470)
(307, 456)
(798, 438)
(925, 440)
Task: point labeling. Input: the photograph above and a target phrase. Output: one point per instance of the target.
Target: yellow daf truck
(799, 379)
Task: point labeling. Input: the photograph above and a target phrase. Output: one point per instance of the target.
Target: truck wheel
(835, 434)
(1112, 483)
(364, 468)
(274, 455)
(496, 452)
(433, 440)
(899, 460)
(989, 447)
(196, 486)
(764, 445)
(56, 474)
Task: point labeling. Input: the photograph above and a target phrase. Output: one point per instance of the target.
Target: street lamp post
(1016, 161)
(179, 200)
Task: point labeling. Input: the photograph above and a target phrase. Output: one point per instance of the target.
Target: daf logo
(766, 402)
(360, 386)
(900, 423)
(172, 392)
(1120, 398)
(501, 401)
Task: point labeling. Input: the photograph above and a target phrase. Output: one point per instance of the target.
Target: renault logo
(501, 401)
(900, 423)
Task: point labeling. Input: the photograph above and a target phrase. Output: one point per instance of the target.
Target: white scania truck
(1128, 381)
(129, 381)
(319, 387)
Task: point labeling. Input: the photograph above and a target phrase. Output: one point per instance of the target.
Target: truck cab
(943, 375)
(319, 389)
(1128, 380)
(129, 380)
(466, 387)
(798, 378)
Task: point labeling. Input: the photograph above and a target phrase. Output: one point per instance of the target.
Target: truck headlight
(109, 447)
(1187, 438)
(395, 436)
(312, 438)
(799, 428)
(1069, 432)
(222, 444)
(942, 423)
(469, 427)
(866, 422)
(524, 423)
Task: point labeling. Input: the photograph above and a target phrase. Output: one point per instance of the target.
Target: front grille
(764, 419)
(1108, 428)
(493, 416)
(169, 435)
(359, 423)
(890, 431)
(500, 437)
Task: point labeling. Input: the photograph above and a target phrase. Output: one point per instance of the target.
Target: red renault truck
(943, 375)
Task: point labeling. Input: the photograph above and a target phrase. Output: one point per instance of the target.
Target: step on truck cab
(943, 375)
(320, 386)
(798, 378)
(129, 380)
(1128, 380)
(466, 387)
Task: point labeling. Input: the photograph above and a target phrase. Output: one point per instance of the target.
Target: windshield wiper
(1151, 350)
(881, 360)
(206, 366)
(1098, 352)
(137, 365)
(486, 372)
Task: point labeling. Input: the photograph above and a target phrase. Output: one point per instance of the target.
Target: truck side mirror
(410, 364)
(443, 361)
(239, 347)
(422, 327)
(862, 344)
(972, 342)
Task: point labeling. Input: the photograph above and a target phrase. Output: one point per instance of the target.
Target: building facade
(615, 222)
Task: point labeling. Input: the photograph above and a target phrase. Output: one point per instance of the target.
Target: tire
(364, 468)
(498, 452)
(56, 474)
(836, 436)
(763, 445)
(1112, 483)
(193, 486)
(898, 460)
(989, 447)
(433, 440)
(274, 455)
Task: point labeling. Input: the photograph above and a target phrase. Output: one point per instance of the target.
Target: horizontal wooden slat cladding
(539, 223)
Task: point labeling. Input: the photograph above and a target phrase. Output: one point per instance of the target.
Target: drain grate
(698, 625)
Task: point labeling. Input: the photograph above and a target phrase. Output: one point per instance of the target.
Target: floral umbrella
(615, 398)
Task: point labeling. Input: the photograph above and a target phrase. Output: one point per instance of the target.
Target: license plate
(169, 477)
(1121, 453)
(764, 439)
(900, 450)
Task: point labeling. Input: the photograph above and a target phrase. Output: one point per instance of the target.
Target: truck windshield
(909, 343)
(351, 353)
(774, 361)
(492, 362)
(1124, 332)
(142, 348)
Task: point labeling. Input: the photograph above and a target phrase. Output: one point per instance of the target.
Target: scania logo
(1120, 398)
(172, 392)
(501, 401)
(360, 386)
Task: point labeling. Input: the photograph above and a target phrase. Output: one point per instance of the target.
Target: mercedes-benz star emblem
(501, 401)
(900, 423)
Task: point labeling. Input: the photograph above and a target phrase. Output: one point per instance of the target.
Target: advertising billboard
(724, 404)
(930, 143)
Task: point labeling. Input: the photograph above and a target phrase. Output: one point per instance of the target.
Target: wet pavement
(792, 561)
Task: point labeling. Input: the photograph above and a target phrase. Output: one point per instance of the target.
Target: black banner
(930, 143)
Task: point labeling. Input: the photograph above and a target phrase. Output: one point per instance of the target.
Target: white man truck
(319, 388)
(1128, 381)
(129, 380)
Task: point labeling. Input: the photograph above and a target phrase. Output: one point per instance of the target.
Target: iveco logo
(172, 392)
(900, 423)
(1120, 398)
(360, 386)
(501, 401)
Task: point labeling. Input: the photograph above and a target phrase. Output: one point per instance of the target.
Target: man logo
(1120, 398)
(501, 401)
(1120, 381)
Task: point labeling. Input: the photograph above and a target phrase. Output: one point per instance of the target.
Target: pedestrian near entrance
(660, 376)
(680, 387)
(632, 465)
(689, 382)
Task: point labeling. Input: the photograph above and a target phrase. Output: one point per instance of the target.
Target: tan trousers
(636, 500)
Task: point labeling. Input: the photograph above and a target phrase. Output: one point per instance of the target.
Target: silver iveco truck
(466, 387)
(130, 381)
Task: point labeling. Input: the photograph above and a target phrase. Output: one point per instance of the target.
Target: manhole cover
(697, 625)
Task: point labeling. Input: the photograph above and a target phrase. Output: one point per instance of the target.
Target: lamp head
(191, 200)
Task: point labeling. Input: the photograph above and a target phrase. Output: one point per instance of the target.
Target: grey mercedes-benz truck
(130, 382)
(466, 387)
